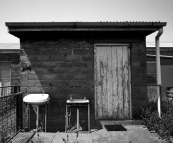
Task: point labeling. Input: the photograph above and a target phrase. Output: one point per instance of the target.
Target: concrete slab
(140, 134)
(104, 136)
(84, 138)
(72, 137)
(43, 137)
(134, 134)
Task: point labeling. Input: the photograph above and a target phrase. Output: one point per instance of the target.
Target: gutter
(162, 56)
(157, 42)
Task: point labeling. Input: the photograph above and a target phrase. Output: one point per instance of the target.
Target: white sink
(77, 101)
(36, 98)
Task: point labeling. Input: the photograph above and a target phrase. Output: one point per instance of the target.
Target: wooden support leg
(66, 118)
(77, 119)
(45, 117)
(29, 117)
(49, 113)
(88, 117)
(37, 121)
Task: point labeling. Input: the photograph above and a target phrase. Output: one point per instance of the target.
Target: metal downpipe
(158, 68)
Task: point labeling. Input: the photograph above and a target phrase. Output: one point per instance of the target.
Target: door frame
(113, 44)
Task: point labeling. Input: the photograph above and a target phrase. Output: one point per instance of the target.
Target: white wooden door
(112, 82)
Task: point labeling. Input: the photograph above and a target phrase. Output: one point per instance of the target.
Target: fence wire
(11, 107)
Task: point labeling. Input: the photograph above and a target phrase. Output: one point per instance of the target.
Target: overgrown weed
(162, 126)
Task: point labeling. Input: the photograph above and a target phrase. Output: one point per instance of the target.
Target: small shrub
(162, 126)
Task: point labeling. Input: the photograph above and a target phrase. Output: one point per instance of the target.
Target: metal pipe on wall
(157, 42)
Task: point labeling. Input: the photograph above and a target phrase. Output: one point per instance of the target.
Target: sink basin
(77, 101)
(36, 98)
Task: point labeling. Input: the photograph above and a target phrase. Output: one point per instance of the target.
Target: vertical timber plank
(109, 81)
(114, 82)
(95, 81)
(103, 73)
(126, 82)
(119, 84)
(98, 101)
(129, 83)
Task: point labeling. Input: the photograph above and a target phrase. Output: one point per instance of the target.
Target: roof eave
(82, 25)
(25, 27)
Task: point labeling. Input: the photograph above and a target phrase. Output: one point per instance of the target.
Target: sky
(86, 11)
